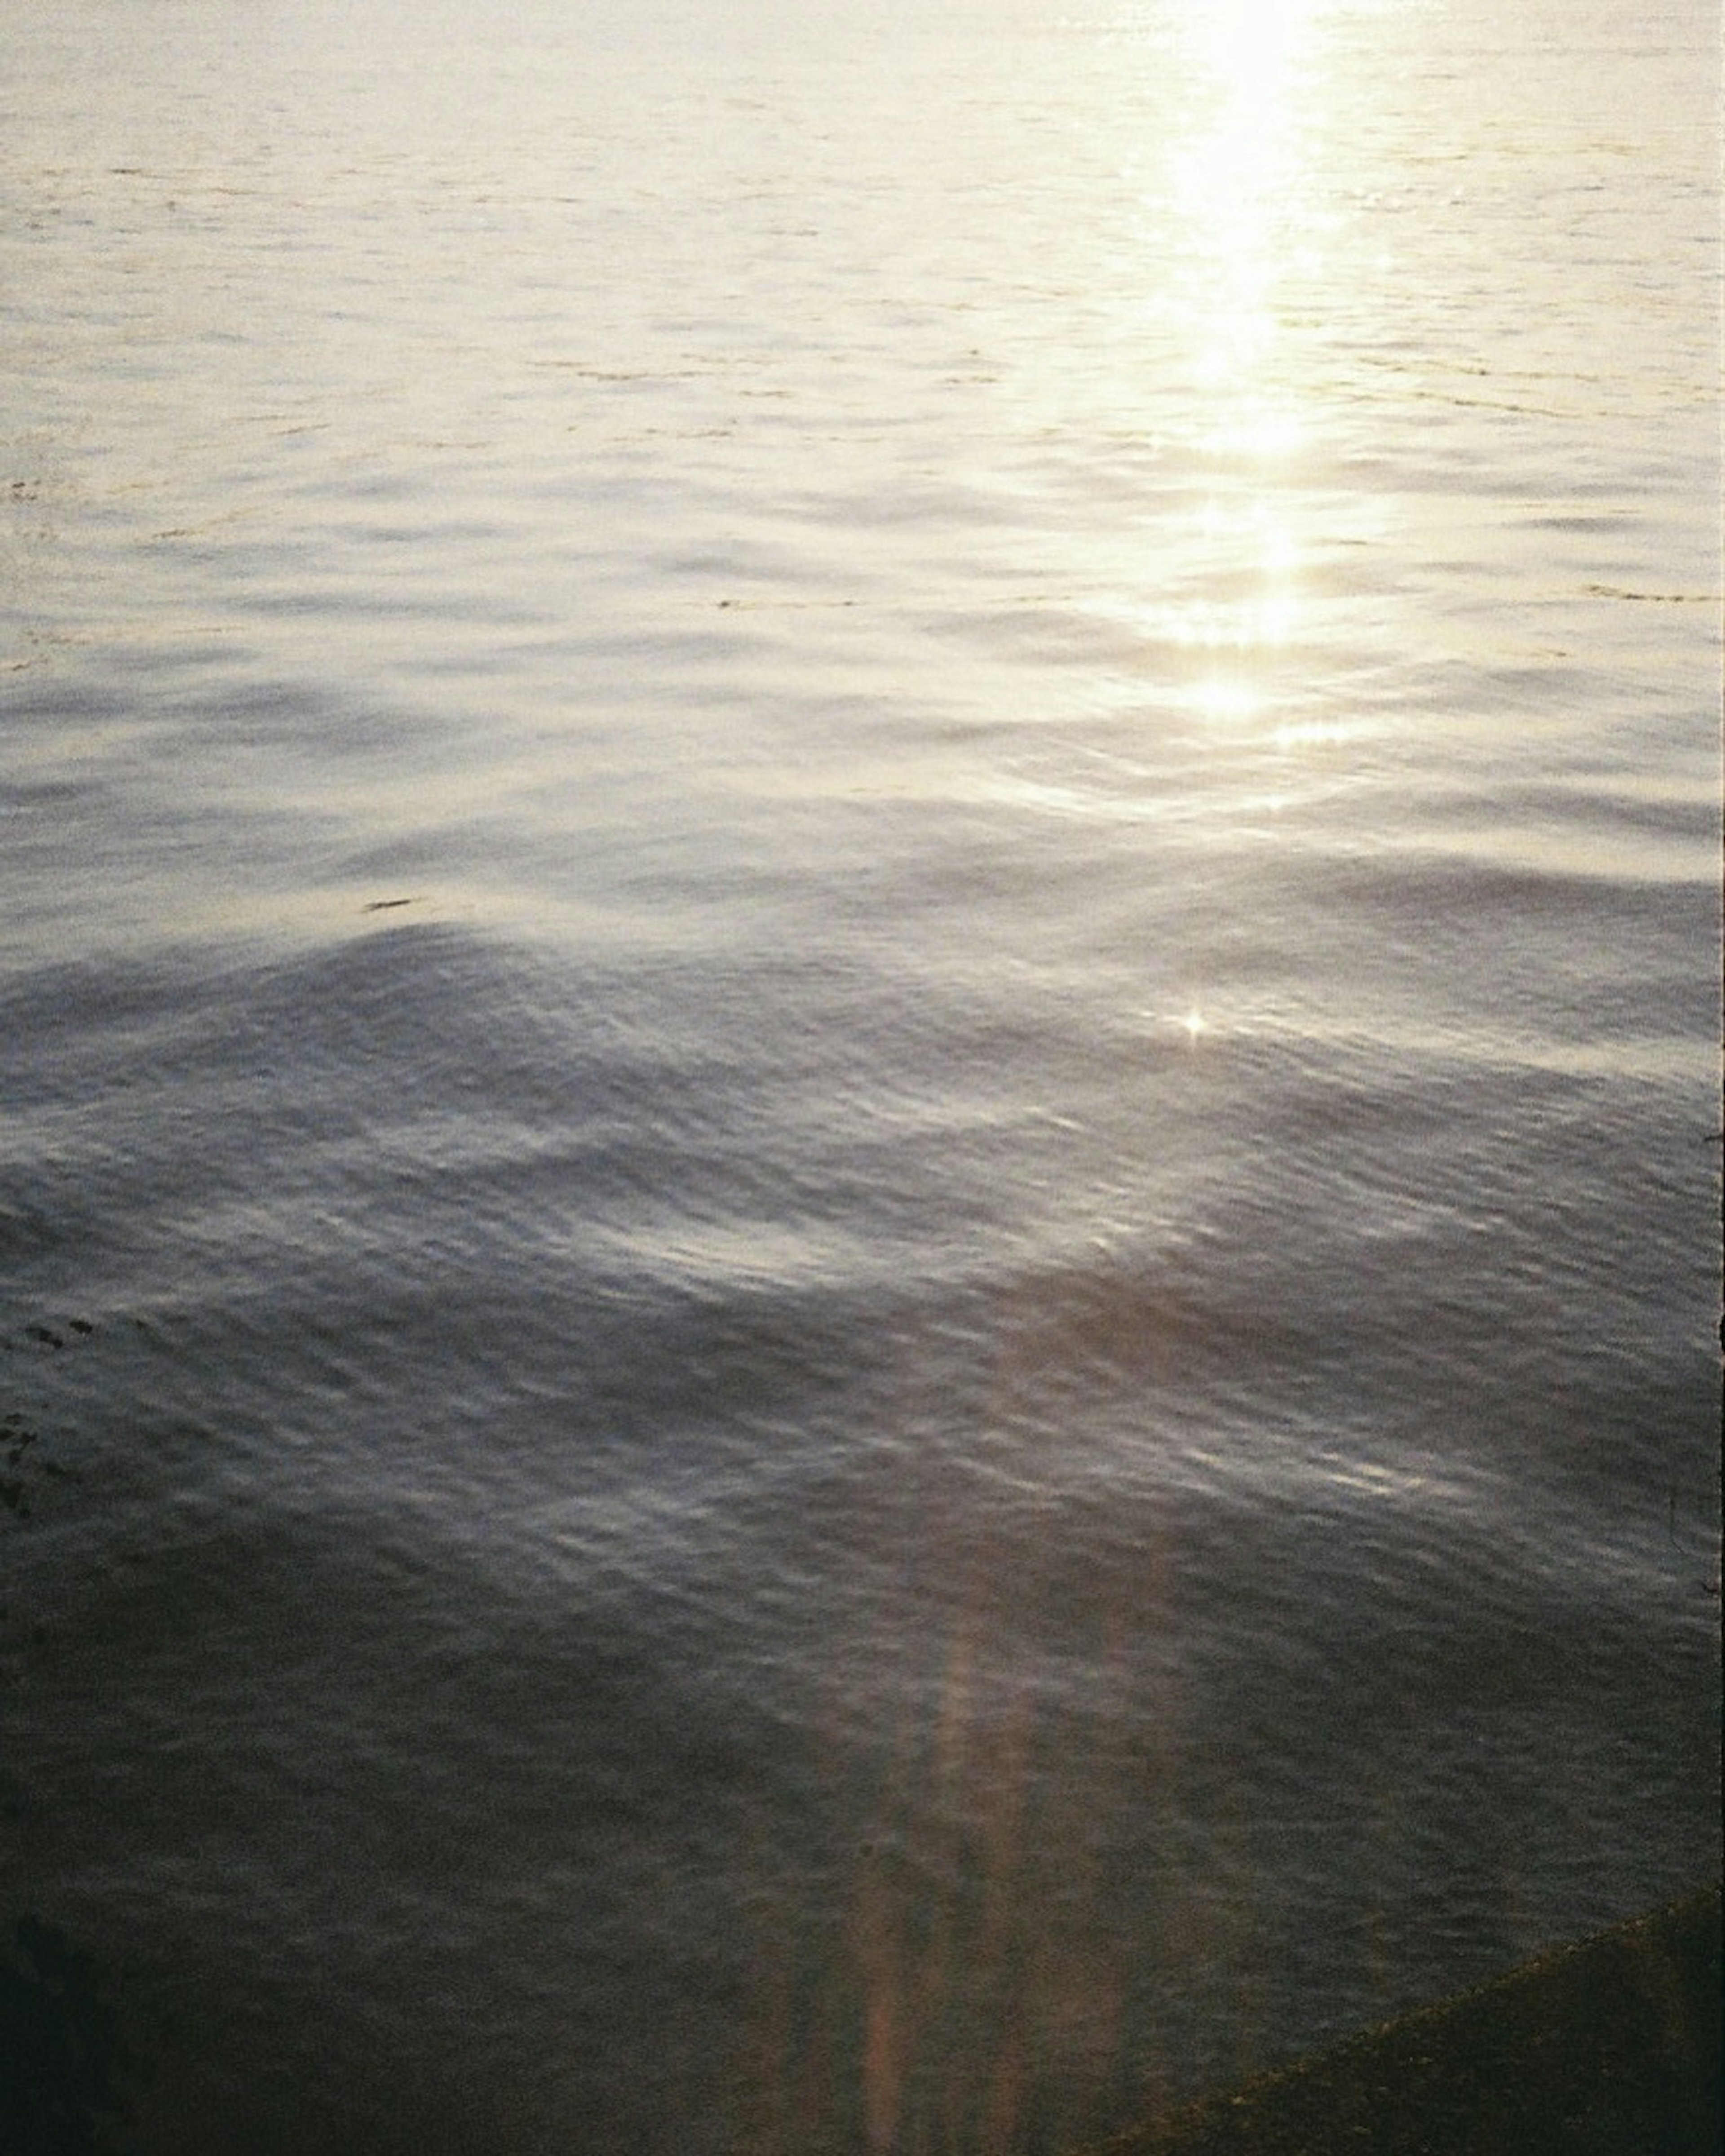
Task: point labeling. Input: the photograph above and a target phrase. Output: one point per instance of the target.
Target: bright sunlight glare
(1247, 41)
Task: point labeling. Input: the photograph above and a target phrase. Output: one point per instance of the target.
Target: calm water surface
(859, 944)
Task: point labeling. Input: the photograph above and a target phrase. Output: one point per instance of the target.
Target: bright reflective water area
(858, 1011)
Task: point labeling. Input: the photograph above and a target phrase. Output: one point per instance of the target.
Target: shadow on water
(69, 2060)
(993, 1884)
(72, 2053)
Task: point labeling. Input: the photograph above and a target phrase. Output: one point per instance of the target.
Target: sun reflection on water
(1222, 698)
(1236, 187)
(1250, 41)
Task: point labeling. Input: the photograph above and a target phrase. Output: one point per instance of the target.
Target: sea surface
(859, 1023)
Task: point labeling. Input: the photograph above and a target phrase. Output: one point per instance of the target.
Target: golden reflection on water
(1237, 192)
(965, 1973)
(1232, 189)
(961, 1963)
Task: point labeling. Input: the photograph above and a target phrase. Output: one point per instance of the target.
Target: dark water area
(859, 954)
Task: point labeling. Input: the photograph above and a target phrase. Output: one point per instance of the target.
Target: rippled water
(858, 1019)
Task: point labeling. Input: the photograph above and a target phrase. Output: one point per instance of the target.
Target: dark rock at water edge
(1610, 2048)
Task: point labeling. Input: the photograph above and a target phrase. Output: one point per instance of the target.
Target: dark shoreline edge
(1608, 2048)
